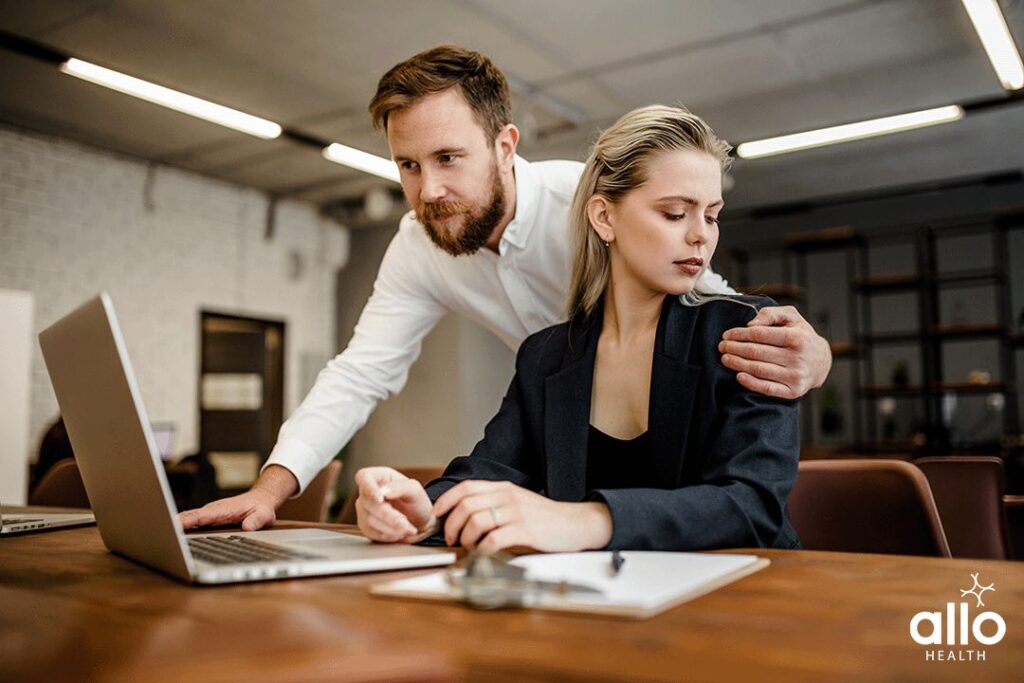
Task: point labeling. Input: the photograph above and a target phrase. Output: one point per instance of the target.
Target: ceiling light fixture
(361, 161)
(995, 36)
(849, 132)
(172, 99)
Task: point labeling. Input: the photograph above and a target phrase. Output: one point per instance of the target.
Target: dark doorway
(240, 394)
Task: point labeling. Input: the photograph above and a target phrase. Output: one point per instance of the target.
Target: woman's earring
(607, 244)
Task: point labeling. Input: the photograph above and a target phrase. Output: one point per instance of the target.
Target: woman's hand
(391, 507)
(494, 515)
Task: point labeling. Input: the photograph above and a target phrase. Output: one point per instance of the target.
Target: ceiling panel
(752, 68)
(39, 96)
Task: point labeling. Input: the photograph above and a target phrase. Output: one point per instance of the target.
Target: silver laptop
(88, 363)
(24, 522)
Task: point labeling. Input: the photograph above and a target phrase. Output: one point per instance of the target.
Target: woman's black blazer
(727, 456)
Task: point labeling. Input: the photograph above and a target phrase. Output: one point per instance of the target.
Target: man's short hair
(435, 70)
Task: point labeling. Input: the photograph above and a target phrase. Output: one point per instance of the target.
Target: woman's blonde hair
(618, 165)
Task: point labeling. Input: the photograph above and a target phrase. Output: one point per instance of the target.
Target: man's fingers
(217, 512)
(768, 388)
(776, 315)
(764, 371)
(258, 518)
(759, 352)
(782, 337)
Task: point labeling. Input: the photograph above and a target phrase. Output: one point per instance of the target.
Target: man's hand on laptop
(252, 510)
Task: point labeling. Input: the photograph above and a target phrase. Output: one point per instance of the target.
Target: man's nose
(432, 189)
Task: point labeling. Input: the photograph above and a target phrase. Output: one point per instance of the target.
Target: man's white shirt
(518, 291)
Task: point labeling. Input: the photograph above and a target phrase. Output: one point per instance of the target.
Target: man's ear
(601, 214)
(505, 144)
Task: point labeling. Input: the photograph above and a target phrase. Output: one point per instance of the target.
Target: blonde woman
(621, 429)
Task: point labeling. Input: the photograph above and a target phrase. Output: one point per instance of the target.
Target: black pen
(617, 561)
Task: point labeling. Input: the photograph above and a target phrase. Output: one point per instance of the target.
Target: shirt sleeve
(387, 340)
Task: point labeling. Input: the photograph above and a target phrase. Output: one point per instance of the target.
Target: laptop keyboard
(242, 550)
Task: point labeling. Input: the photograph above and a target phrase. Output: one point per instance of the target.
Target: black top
(619, 463)
(725, 457)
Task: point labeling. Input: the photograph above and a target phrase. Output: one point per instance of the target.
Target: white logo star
(974, 590)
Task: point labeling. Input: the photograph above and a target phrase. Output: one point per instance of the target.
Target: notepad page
(646, 579)
(647, 583)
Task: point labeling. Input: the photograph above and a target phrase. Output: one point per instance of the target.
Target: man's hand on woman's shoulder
(777, 354)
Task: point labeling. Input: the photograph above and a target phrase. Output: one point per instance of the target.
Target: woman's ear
(599, 211)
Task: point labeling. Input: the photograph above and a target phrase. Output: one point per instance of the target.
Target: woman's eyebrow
(688, 200)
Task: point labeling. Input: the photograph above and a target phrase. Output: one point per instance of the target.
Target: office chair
(866, 506)
(312, 505)
(423, 475)
(968, 492)
(61, 486)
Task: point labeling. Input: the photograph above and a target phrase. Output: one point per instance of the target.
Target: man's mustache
(443, 210)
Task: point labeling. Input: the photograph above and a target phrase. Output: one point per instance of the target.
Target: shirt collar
(527, 200)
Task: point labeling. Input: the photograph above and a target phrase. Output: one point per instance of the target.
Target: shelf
(778, 291)
(844, 350)
(827, 238)
(970, 277)
(887, 283)
(915, 390)
(889, 390)
(891, 338)
(971, 388)
(968, 330)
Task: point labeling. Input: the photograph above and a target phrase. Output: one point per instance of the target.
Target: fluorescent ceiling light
(362, 161)
(848, 132)
(991, 26)
(172, 99)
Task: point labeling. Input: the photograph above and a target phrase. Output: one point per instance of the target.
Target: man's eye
(446, 158)
(407, 165)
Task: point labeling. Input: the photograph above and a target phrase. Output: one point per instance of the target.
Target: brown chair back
(866, 506)
(314, 502)
(968, 492)
(61, 486)
(423, 475)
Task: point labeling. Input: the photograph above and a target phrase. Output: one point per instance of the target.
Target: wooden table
(71, 611)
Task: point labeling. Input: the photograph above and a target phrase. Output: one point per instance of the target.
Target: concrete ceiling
(752, 68)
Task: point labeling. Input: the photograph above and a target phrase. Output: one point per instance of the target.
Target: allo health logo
(956, 635)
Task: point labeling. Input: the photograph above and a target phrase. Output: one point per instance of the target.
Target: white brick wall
(75, 220)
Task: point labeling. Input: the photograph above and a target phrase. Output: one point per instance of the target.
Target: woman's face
(666, 231)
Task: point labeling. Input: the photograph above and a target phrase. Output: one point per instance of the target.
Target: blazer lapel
(673, 386)
(567, 413)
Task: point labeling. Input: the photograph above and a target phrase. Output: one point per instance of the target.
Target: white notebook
(647, 584)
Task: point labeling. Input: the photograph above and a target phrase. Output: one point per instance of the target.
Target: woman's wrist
(594, 523)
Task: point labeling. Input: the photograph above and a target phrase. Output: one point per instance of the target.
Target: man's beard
(476, 229)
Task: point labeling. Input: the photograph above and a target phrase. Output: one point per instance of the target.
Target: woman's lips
(690, 266)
